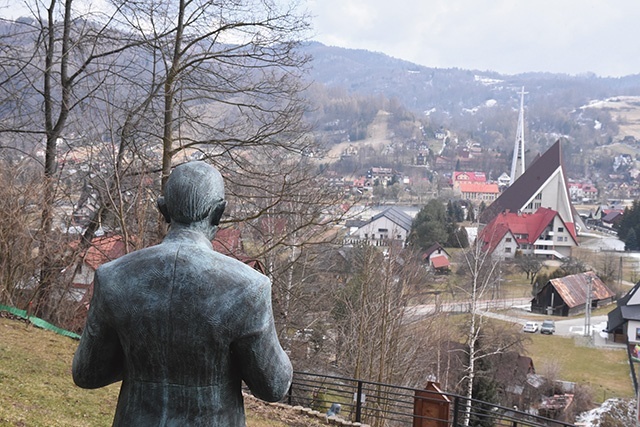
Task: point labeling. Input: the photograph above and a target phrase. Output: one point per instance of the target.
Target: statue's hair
(192, 191)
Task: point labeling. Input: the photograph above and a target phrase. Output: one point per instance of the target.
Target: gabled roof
(492, 235)
(621, 314)
(573, 288)
(526, 228)
(612, 216)
(102, 250)
(469, 176)
(440, 261)
(527, 185)
(396, 216)
(432, 249)
(228, 241)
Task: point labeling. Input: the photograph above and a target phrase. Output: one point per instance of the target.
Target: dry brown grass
(36, 388)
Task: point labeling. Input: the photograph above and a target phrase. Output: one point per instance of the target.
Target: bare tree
(529, 265)
(20, 192)
(481, 272)
(62, 56)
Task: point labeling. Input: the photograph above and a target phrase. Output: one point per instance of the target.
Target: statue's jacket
(181, 325)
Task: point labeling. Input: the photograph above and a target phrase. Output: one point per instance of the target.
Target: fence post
(290, 394)
(456, 409)
(359, 402)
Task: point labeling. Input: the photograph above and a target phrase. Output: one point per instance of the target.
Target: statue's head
(193, 194)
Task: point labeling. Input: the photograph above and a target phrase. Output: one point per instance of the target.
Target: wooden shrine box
(431, 407)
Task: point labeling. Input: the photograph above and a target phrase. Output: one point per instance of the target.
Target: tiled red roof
(440, 261)
(102, 250)
(471, 187)
(525, 227)
(469, 177)
(227, 241)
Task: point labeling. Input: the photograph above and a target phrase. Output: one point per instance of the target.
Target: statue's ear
(216, 215)
(162, 207)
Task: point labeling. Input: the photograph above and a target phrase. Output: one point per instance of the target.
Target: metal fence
(386, 405)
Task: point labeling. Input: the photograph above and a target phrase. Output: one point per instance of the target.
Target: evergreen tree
(631, 240)
(630, 222)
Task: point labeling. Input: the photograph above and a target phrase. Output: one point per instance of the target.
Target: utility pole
(587, 313)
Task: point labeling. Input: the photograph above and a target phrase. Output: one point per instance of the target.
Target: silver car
(548, 327)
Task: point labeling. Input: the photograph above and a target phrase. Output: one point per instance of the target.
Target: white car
(530, 327)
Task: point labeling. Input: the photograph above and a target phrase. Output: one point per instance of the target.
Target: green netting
(38, 322)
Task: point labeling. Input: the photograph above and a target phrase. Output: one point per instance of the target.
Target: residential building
(479, 192)
(458, 178)
(436, 258)
(541, 234)
(623, 324)
(388, 227)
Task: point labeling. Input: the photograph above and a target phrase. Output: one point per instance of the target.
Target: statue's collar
(178, 234)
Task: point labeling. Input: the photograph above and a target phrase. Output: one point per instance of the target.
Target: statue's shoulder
(238, 269)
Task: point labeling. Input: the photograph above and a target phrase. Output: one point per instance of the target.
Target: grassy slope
(606, 371)
(36, 388)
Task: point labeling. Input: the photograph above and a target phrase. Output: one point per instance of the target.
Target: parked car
(548, 327)
(530, 327)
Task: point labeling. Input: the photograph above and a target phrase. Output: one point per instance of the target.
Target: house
(101, 250)
(476, 192)
(612, 218)
(436, 258)
(504, 180)
(467, 177)
(541, 234)
(569, 295)
(512, 376)
(390, 226)
(542, 185)
(228, 241)
(582, 192)
(623, 323)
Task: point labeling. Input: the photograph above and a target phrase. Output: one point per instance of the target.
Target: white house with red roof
(459, 177)
(542, 234)
(101, 250)
(479, 192)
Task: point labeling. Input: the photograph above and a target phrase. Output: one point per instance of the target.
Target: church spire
(517, 165)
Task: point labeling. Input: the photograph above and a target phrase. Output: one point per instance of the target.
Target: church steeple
(517, 165)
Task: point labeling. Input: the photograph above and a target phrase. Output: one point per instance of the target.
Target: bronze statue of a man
(180, 324)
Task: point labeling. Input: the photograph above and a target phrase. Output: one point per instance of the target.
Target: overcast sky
(507, 36)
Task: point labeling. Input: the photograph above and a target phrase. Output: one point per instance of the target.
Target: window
(560, 229)
(507, 250)
(508, 240)
(539, 196)
(559, 238)
(382, 230)
(637, 334)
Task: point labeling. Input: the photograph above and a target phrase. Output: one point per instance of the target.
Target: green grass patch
(605, 370)
(36, 388)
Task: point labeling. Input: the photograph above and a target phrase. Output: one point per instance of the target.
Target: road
(564, 327)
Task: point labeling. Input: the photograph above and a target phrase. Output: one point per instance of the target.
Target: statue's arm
(99, 359)
(264, 365)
